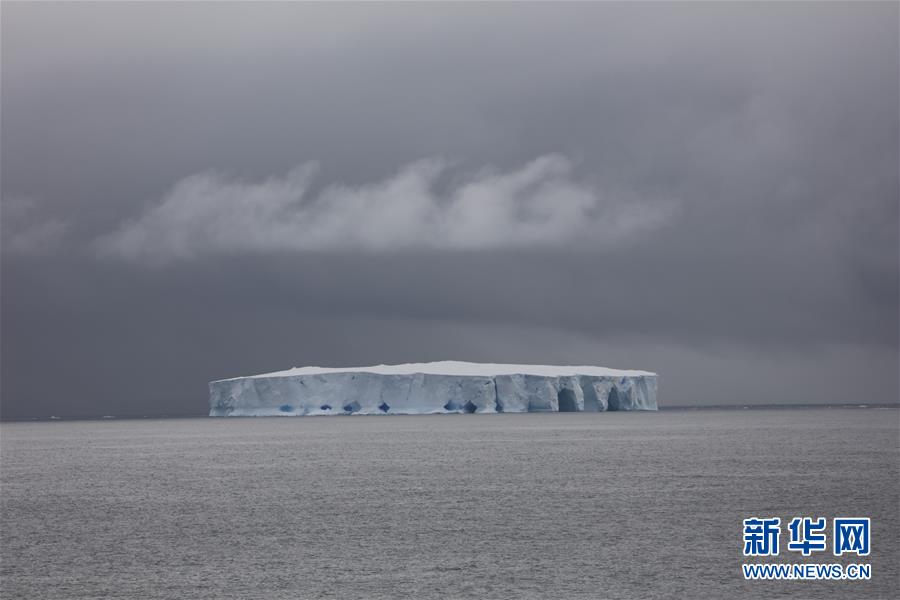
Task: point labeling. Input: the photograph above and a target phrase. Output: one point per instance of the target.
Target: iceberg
(430, 388)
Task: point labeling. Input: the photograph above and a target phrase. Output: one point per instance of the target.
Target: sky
(198, 191)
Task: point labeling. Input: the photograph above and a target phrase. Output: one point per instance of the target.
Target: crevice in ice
(470, 407)
(452, 406)
(384, 407)
(225, 407)
(589, 394)
(612, 401)
(409, 387)
(325, 407)
(497, 404)
(285, 408)
(566, 400)
(351, 407)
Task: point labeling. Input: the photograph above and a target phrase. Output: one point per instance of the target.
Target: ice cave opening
(566, 401)
(612, 401)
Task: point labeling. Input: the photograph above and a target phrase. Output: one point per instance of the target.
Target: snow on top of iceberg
(459, 368)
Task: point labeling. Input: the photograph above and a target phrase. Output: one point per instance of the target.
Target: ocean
(555, 506)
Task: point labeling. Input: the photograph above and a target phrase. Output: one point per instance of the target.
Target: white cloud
(540, 203)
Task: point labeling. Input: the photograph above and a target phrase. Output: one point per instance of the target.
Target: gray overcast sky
(199, 191)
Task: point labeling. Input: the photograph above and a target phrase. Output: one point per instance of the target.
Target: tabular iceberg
(437, 387)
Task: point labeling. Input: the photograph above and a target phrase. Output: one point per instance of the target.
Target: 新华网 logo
(807, 536)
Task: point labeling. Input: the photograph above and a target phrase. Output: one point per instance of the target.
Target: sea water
(582, 505)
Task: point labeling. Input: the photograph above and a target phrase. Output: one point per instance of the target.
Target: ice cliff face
(425, 388)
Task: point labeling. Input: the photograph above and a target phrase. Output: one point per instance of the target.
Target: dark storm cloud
(709, 191)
